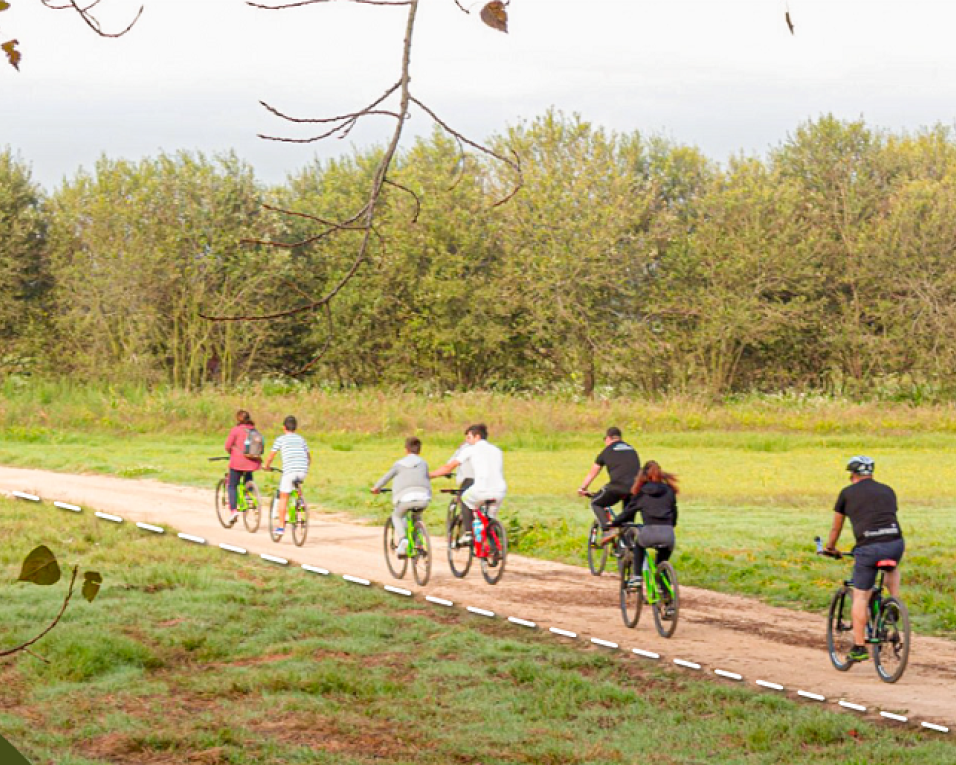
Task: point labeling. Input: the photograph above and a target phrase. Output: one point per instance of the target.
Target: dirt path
(717, 631)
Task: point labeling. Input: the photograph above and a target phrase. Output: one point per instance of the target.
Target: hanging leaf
(495, 15)
(40, 567)
(91, 585)
(789, 22)
(13, 55)
(4, 5)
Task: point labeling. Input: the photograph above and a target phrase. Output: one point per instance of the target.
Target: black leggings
(601, 502)
(234, 477)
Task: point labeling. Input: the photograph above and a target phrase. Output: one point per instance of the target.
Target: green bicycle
(419, 550)
(248, 502)
(660, 588)
(297, 513)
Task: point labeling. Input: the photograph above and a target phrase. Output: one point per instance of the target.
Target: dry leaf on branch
(495, 15)
(789, 22)
(13, 55)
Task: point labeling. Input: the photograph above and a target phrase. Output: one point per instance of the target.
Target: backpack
(254, 445)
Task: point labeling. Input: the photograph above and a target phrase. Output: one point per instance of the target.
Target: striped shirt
(294, 452)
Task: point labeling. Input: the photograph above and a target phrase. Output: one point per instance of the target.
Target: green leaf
(91, 585)
(40, 567)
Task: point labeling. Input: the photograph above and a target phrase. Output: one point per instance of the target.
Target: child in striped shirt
(295, 465)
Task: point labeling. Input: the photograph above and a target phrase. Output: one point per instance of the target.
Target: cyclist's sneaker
(403, 549)
(280, 529)
(858, 653)
(466, 539)
(669, 612)
(234, 517)
(634, 583)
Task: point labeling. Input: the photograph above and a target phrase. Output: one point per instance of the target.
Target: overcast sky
(725, 75)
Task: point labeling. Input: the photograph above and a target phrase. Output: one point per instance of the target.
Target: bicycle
(597, 553)
(489, 541)
(297, 514)
(887, 624)
(419, 550)
(661, 589)
(248, 502)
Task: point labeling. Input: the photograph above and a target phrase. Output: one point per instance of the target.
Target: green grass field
(190, 656)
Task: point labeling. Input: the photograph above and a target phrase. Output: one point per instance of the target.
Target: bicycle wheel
(300, 529)
(840, 629)
(893, 631)
(396, 566)
(632, 598)
(422, 546)
(597, 555)
(668, 603)
(459, 554)
(251, 516)
(222, 504)
(496, 541)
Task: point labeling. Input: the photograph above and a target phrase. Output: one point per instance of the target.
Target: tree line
(625, 260)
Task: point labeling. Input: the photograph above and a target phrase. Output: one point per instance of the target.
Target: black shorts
(865, 559)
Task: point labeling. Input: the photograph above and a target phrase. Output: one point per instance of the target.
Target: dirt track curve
(717, 631)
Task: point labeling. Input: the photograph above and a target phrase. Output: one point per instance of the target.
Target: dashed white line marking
(356, 580)
(233, 548)
(191, 538)
(315, 569)
(814, 696)
(646, 654)
(771, 686)
(398, 590)
(934, 726)
(71, 508)
(563, 633)
(728, 675)
(850, 705)
(480, 611)
(24, 495)
(275, 559)
(439, 601)
(150, 527)
(688, 664)
(522, 622)
(108, 517)
(605, 643)
(892, 716)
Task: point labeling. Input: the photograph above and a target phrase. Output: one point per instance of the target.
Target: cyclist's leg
(286, 486)
(234, 477)
(469, 501)
(604, 499)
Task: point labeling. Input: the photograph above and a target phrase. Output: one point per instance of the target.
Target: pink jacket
(235, 445)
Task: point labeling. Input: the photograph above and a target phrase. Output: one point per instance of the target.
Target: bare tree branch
(284, 6)
(418, 202)
(66, 602)
(91, 21)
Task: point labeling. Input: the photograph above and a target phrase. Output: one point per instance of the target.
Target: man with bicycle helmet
(871, 508)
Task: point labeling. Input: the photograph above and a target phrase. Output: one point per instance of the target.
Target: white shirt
(465, 470)
(487, 462)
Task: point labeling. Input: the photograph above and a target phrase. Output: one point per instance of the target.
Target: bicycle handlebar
(835, 554)
(452, 491)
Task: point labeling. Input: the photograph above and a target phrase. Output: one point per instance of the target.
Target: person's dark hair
(652, 473)
(413, 444)
(480, 429)
(613, 432)
(290, 423)
(244, 418)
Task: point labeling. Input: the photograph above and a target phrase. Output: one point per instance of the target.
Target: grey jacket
(410, 474)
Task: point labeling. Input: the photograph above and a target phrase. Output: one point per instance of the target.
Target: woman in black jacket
(654, 495)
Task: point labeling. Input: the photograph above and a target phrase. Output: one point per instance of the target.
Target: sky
(724, 75)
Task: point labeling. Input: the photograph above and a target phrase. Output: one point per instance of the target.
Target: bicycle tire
(422, 562)
(496, 541)
(597, 555)
(300, 529)
(632, 598)
(460, 555)
(892, 653)
(396, 566)
(840, 629)
(253, 512)
(667, 607)
(222, 504)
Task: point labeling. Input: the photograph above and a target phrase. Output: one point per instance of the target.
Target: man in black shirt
(871, 508)
(622, 465)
